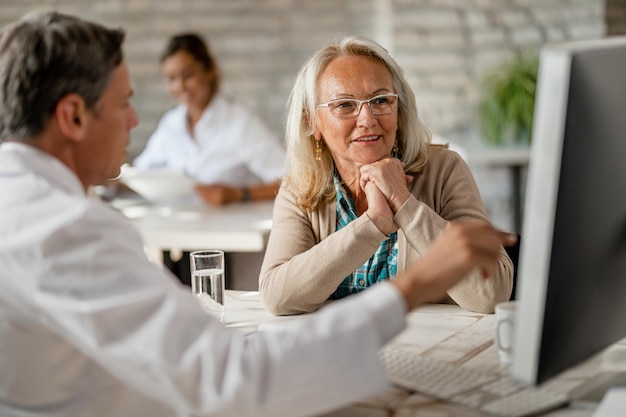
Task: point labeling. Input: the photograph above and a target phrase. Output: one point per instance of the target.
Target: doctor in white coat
(89, 327)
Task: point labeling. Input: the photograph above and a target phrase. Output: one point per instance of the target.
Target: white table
(444, 332)
(189, 225)
(510, 155)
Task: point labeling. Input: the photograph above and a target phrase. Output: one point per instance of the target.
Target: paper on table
(613, 404)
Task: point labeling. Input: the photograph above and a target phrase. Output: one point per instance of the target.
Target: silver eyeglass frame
(360, 105)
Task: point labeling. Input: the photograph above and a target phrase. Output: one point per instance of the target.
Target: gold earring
(395, 151)
(318, 151)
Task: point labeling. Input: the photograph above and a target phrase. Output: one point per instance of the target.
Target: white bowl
(158, 185)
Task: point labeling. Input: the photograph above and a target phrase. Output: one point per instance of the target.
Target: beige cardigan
(306, 259)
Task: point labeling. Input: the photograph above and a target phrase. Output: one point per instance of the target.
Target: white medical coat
(232, 146)
(89, 327)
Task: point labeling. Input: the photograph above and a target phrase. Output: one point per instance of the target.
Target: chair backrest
(513, 252)
(453, 146)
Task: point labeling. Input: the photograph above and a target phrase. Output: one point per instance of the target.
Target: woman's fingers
(388, 175)
(378, 209)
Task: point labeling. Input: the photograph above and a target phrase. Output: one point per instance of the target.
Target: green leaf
(508, 102)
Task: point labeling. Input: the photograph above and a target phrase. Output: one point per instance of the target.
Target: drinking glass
(207, 280)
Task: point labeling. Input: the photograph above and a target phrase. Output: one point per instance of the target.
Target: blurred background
(446, 47)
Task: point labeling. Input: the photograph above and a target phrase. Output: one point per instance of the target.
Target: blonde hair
(311, 180)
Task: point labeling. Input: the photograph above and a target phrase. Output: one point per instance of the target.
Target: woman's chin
(371, 158)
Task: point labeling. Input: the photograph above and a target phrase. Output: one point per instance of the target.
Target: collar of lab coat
(27, 159)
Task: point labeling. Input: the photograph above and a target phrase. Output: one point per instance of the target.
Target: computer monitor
(572, 267)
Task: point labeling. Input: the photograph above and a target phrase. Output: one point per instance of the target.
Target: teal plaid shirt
(382, 265)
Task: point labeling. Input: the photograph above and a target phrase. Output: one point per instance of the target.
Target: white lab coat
(232, 146)
(89, 327)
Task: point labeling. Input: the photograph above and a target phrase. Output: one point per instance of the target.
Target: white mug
(504, 330)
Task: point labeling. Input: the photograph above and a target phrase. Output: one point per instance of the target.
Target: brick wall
(445, 46)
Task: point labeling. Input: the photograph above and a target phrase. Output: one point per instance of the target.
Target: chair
(453, 146)
(513, 252)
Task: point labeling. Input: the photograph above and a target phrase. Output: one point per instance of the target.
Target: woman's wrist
(386, 225)
(399, 202)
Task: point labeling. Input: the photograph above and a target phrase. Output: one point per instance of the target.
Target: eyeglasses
(345, 108)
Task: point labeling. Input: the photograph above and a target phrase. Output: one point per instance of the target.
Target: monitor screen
(572, 267)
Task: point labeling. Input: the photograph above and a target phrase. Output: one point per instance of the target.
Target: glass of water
(207, 280)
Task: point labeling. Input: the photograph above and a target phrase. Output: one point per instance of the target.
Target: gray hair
(311, 180)
(43, 58)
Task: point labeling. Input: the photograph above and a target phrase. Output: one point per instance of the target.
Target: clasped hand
(385, 185)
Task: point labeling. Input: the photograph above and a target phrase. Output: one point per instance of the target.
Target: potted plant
(506, 111)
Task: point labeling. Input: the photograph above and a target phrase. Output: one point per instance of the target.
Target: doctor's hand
(459, 248)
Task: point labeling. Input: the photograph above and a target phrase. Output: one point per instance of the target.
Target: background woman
(223, 145)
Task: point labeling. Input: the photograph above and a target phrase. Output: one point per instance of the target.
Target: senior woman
(365, 193)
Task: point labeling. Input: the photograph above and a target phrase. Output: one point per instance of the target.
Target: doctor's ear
(71, 116)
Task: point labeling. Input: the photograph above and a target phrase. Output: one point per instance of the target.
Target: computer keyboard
(492, 393)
